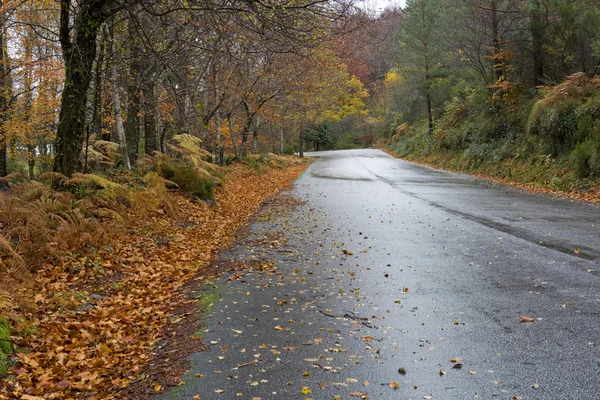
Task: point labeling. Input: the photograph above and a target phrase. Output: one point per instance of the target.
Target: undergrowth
(60, 226)
(550, 140)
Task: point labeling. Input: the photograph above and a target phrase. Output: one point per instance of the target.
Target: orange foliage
(96, 326)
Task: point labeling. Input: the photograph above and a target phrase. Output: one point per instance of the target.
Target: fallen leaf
(394, 385)
(526, 319)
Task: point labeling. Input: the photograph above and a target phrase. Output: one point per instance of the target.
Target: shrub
(5, 345)
(191, 179)
(585, 159)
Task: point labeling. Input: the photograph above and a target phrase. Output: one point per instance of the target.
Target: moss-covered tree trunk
(79, 51)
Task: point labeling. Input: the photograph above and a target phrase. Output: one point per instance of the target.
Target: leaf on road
(526, 319)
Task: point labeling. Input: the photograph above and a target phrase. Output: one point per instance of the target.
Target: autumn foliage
(94, 265)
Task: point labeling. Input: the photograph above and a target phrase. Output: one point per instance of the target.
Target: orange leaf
(526, 319)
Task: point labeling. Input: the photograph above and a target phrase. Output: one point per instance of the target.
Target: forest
(137, 137)
(506, 88)
(93, 86)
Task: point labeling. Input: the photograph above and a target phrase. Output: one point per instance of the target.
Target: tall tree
(422, 46)
(78, 43)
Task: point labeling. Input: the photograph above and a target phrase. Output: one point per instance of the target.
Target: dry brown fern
(13, 271)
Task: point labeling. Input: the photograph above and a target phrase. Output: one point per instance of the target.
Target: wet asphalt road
(388, 265)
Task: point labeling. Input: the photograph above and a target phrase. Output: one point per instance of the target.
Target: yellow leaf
(395, 385)
(306, 390)
(156, 387)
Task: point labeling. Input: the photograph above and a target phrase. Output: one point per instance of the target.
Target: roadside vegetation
(511, 93)
(508, 89)
(92, 264)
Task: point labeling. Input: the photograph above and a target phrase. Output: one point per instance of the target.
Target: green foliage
(5, 345)
(348, 141)
(553, 140)
(319, 136)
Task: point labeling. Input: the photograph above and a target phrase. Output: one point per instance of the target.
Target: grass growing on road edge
(95, 317)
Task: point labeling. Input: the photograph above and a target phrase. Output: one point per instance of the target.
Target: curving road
(388, 265)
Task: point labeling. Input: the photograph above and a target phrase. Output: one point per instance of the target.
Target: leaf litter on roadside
(100, 343)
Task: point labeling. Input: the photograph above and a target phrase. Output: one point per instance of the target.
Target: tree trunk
(301, 143)
(132, 123)
(429, 113)
(217, 128)
(218, 153)
(281, 140)
(149, 101)
(537, 32)
(94, 96)
(118, 114)
(97, 111)
(232, 133)
(255, 134)
(3, 103)
(31, 161)
(79, 54)
(245, 133)
(3, 163)
(496, 65)
(205, 120)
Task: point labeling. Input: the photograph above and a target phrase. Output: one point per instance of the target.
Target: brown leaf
(526, 319)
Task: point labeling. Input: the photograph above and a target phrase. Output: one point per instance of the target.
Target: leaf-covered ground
(96, 319)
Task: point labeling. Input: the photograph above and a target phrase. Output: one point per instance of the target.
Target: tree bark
(301, 143)
(132, 123)
(3, 104)
(118, 114)
(149, 101)
(537, 32)
(498, 69)
(218, 152)
(217, 131)
(255, 134)
(232, 133)
(205, 118)
(79, 54)
(281, 140)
